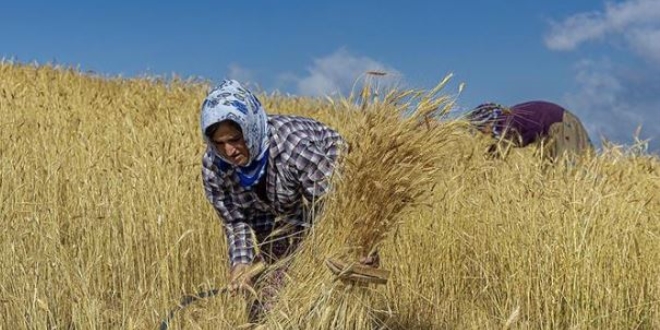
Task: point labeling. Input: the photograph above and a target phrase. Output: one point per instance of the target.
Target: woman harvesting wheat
(263, 174)
(557, 129)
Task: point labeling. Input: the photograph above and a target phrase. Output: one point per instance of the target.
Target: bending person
(533, 122)
(259, 173)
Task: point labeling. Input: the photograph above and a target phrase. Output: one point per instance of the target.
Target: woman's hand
(372, 260)
(239, 279)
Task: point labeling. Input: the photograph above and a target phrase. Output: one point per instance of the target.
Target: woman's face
(487, 128)
(228, 140)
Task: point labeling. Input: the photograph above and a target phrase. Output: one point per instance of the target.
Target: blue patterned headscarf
(485, 114)
(231, 101)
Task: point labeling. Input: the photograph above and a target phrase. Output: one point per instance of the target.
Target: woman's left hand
(372, 260)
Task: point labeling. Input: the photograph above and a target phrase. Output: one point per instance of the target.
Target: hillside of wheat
(104, 223)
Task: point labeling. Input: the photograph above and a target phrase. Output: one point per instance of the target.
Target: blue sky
(599, 59)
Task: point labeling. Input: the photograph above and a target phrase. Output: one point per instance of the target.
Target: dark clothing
(541, 123)
(525, 123)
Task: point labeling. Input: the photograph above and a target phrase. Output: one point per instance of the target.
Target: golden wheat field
(104, 223)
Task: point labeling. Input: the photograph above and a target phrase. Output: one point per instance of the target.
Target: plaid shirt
(301, 159)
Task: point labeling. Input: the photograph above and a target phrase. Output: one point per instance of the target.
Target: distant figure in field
(531, 123)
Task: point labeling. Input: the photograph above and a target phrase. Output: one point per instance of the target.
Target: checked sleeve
(239, 234)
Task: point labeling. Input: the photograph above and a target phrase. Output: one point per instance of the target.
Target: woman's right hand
(239, 279)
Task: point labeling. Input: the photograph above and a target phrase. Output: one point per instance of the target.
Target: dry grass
(104, 223)
(388, 173)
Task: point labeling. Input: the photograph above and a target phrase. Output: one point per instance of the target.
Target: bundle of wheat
(389, 169)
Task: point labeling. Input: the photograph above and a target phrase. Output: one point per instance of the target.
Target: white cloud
(637, 22)
(568, 34)
(237, 72)
(646, 43)
(613, 101)
(338, 72)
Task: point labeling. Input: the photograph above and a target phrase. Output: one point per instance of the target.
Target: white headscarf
(231, 101)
